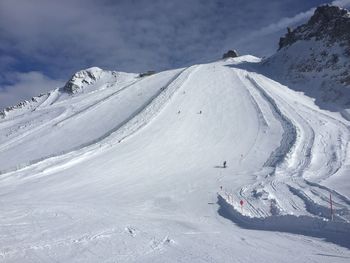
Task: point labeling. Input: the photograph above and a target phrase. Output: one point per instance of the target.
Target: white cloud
(25, 86)
(342, 3)
(298, 18)
(61, 37)
(57, 38)
(269, 34)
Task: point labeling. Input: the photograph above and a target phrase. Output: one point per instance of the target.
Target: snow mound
(335, 231)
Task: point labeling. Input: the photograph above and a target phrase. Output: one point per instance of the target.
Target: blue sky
(43, 42)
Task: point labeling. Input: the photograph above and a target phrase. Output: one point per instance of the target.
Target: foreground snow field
(130, 170)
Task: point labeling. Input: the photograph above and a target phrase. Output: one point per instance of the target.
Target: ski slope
(130, 170)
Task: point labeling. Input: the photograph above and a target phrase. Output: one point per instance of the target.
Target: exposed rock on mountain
(321, 46)
(315, 57)
(230, 54)
(330, 23)
(26, 104)
(147, 73)
(83, 78)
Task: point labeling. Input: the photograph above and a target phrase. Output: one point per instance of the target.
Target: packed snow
(130, 169)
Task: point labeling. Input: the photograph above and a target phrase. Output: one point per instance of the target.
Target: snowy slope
(114, 167)
(131, 171)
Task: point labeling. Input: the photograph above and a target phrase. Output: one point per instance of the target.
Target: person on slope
(224, 165)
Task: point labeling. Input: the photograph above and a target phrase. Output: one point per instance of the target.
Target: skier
(224, 164)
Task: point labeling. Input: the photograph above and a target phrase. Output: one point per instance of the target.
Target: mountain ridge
(319, 48)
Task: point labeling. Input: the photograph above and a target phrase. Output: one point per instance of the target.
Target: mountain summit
(315, 58)
(329, 23)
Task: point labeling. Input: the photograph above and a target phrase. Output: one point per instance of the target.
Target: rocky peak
(83, 78)
(315, 57)
(327, 13)
(29, 104)
(318, 49)
(330, 23)
(230, 54)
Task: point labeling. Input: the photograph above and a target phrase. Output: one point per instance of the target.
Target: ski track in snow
(290, 162)
(60, 117)
(285, 194)
(96, 104)
(139, 118)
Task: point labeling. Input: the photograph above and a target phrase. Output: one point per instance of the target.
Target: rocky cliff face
(329, 23)
(83, 78)
(320, 47)
(314, 58)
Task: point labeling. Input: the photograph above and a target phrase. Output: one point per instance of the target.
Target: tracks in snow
(306, 153)
(96, 104)
(137, 120)
(61, 116)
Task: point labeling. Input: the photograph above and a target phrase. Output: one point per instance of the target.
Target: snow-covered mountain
(115, 167)
(315, 57)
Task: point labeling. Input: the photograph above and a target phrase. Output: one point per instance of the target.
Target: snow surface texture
(129, 169)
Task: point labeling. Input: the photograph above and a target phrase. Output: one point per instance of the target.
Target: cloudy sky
(43, 42)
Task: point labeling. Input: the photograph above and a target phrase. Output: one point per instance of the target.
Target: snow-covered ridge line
(81, 82)
(138, 119)
(31, 104)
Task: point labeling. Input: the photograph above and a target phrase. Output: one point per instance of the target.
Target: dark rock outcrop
(147, 73)
(320, 46)
(230, 54)
(315, 58)
(29, 104)
(330, 23)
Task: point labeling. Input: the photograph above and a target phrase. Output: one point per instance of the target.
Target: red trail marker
(241, 202)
